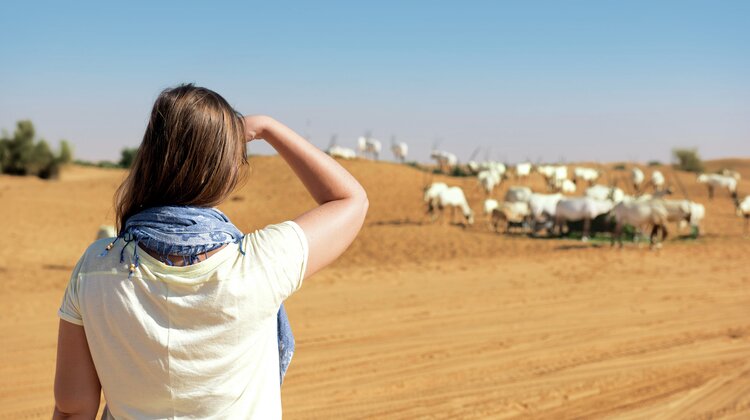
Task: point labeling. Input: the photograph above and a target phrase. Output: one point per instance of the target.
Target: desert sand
(422, 320)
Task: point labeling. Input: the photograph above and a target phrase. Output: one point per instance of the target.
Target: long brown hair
(191, 154)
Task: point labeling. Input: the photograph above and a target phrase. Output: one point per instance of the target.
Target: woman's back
(209, 339)
(197, 340)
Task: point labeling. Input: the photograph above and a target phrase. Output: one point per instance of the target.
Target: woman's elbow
(76, 406)
(74, 410)
(364, 204)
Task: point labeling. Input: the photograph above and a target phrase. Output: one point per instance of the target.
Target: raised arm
(332, 226)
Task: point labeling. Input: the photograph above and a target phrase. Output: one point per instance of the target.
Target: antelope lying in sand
(341, 152)
(512, 213)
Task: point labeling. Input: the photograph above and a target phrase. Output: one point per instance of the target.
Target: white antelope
(588, 175)
(542, 210)
(601, 192)
(490, 204)
(684, 212)
(657, 180)
(732, 173)
(518, 194)
(566, 186)
(713, 181)
(454, 198)
(512, 213)
(400, 150)
(341, 152)
(489, 179)
(641, 214)
(637, 177)
(583, 209)
(445, 160)
(369, 146)
(743, 210)
(489, 165)
(432, 194)
(523, 170)
(554, 176)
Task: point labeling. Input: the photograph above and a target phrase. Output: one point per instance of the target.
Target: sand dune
(423, 320)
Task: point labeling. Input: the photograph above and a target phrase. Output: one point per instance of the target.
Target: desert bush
(20, 154)
(41, 160)
(654, 163)
(66, 153)
(98, 164)
(4, 153)
(460, 171)
(127, 155)
(619, 167)
(19, 148)
(687, 160)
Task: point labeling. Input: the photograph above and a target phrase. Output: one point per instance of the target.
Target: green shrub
(100, 164)
(654, 163)
(19, 149)
(21, 155)
(127, 155)
(460, 171)
(687, 160)
(619, 167)
(66, 153)
(41, 160)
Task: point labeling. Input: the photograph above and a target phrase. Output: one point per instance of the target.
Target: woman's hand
(256, 126)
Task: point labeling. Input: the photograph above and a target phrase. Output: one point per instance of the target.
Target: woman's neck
(179, 260)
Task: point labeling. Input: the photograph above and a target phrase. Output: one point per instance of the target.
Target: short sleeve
(69, 309)
(280, 251)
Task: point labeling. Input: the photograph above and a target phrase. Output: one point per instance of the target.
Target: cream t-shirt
(188, 342)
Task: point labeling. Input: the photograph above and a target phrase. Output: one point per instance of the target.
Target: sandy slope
(434, 321)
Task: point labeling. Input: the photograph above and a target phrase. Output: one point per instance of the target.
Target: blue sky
(538, 80)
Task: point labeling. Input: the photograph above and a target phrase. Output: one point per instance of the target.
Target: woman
(179, 316)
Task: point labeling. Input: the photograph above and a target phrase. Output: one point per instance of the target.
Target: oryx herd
(608, 208)
(368, 147)
(645, 208)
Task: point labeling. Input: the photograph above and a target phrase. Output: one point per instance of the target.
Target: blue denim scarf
(189, 232)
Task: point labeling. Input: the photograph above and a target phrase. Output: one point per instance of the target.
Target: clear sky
(539, 80)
